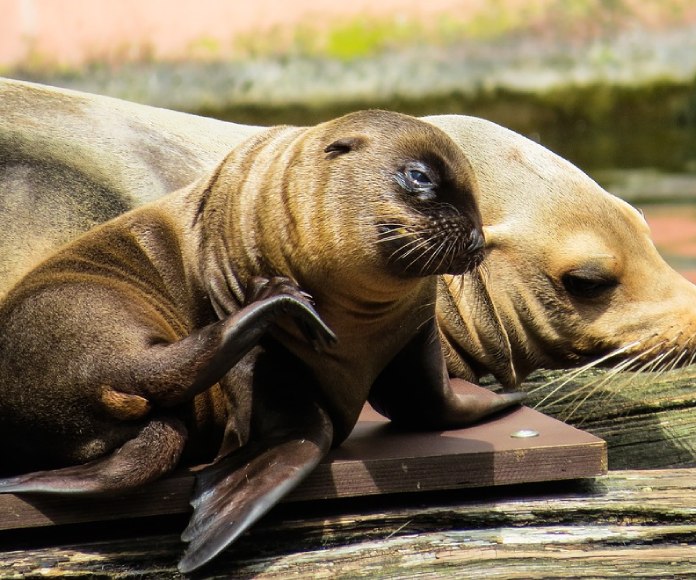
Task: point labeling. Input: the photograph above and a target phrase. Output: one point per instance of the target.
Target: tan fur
(544, 219)
(124, 406)
(58, 170)
(509, 319)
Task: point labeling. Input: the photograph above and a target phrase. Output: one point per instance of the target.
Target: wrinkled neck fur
(238, 216)
(528, 329)
(276, 207)
(476, 337)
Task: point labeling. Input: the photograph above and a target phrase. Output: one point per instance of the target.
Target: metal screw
(525, 434)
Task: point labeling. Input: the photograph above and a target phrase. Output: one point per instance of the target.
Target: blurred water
(598, 128)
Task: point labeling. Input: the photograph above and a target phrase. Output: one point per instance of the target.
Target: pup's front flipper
(153, 452)
(313, 328)
(414, 390)
(235, 492)
(171, 374)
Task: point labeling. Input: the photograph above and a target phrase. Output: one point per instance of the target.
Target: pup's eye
(419, 179)
(583, 286)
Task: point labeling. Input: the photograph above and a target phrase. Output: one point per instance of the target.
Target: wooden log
(647, 419)
(629, 523)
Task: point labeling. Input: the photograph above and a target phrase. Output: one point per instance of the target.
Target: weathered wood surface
(647, 419)
(629, 523)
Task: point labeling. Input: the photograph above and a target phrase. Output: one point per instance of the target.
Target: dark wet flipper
(242, 331)
(415, 389)
(235, 492)
(320, 338)
(298, 304)
(309, 322)
(154, 452)
(466, 409)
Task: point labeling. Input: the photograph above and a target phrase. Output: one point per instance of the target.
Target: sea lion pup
(571, 275)
(118, 353)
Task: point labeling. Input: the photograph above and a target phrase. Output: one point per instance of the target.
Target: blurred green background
(608, 84)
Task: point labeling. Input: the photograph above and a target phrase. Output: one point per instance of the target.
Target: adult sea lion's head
(571, 273)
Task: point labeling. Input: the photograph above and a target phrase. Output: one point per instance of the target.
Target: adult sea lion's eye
(581, 286)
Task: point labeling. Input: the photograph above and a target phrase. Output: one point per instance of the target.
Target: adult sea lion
(118, 354)
(571, 275)
(70, 161)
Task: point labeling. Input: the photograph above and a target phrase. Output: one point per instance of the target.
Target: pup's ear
(344, 145)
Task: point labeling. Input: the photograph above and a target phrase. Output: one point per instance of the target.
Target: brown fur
(83, 331)
(62, 172)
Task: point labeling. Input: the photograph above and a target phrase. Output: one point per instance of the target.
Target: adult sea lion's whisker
(564, 379)
(659, 360)
(692, 358)
(593, 385)
(689, 348)
(591, 391)
(672, 364)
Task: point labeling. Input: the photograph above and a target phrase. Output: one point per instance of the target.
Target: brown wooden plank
(376, 459)
(380, 459)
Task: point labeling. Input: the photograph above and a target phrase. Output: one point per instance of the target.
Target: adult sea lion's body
(120, 350)
(70, 161)
(515, 317)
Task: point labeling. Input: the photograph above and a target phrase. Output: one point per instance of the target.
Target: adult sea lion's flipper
(414, 389)
(149, 455)
(236, 491)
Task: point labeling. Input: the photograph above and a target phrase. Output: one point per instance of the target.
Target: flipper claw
(298, 304)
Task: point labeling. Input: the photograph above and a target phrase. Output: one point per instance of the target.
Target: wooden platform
(389, 504)
(376, 459)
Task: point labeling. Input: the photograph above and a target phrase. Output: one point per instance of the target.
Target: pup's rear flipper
(235, 492)
(152, 453)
